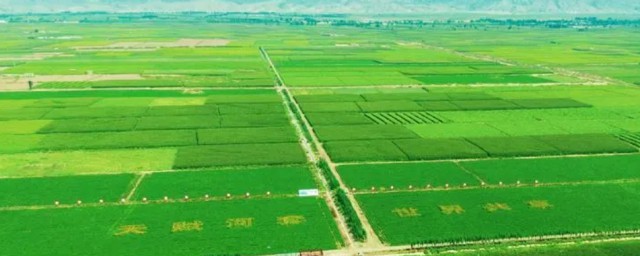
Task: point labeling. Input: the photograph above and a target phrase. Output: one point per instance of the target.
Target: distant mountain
(333, 6)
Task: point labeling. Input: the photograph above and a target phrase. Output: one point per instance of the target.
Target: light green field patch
(123, 102)
(455, 130)
(178, 102)
(19, 143)
(585, 126)
(85, 162)
(15, 104)
(630, 125)
(528, 128)
(22, 127)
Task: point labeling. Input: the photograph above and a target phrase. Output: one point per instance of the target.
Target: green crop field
(443, 216)
(267, 226)
(262, 133)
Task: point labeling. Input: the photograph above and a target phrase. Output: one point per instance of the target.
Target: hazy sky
(332, 6)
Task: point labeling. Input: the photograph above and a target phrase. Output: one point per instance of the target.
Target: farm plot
(62, 125)
(463, 215)
(404, 118)
(218, 183)
(244, 154)
(282, 225)
(459, 124)
(555, 170)
(64, 163)
(227, 66)
(392, 65)
(404, 176)
(65, 190)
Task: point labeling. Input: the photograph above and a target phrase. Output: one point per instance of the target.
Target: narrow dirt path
(135, 186)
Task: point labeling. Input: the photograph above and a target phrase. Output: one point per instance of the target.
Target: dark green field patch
(485, 105)
(389, 106)
(328, 98)
(319, 107)
(101, 231)
(631, 138)
(239, 155)
(366, 150)
(463, 215)
(66, 190)
(254, 120)
(107, 140)
(103, 112)
(90, 125)
(550, 170)
(363, 132)
(246, 135)
(439, 106)
(255, 108)
(337, 119)
(403, 175)
(404, 118)
(178, 122)
(430, 149)
(217, 183)
(587, 144)
(514, 146)
(182, 110)
(405, 96)
(549, 103)
(271, 97)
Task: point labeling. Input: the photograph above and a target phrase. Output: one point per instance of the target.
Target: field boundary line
(506, 186)
(149, 202)
(147, 89)
(475, 175)
(488, 159)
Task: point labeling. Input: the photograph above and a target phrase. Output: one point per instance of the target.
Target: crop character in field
(185, 226)
(240, 223)
(124, 230)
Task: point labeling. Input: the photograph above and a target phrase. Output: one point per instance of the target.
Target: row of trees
(313, 20)
(344, 204)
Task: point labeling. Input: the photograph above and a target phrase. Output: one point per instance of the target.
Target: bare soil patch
(32, 56)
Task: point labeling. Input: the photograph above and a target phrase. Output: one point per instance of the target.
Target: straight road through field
(372, 239)
(306, 146)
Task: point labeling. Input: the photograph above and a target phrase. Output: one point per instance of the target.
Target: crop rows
(631, 138)
(404, 118)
